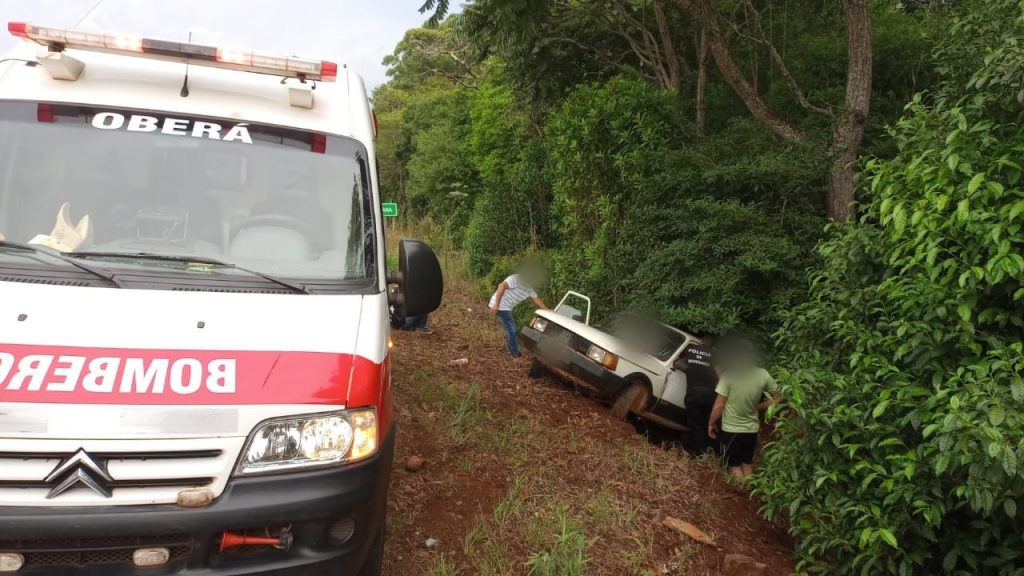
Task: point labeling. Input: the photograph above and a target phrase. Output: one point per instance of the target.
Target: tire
(375, 561)
(536, 370)
(632, 399)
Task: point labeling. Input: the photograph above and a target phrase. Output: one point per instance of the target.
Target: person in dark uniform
(399, 322)
(701, 380)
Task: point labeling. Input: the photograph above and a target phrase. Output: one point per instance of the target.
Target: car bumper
(572, 365)
(99, 540)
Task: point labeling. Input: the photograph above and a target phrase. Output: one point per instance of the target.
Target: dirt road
(528, 477)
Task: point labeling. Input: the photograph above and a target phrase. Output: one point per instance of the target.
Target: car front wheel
(536, 370)
(633, 398)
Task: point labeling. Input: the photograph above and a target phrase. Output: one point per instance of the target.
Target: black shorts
(738, 447)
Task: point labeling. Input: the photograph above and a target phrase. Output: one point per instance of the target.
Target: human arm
(540, 303)
(773, 398)
(771, 390)
(498, 294)
(716, 413)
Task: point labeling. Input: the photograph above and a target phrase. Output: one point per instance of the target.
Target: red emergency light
(57, 39)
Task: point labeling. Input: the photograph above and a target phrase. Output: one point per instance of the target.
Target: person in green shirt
(744, 390)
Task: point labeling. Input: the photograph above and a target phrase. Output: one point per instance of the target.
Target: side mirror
(419, 279)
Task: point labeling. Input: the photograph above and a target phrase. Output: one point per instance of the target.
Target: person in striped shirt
(513, 290)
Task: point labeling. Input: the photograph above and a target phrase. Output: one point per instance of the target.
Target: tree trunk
(702, 82)
(849, 131)
(705, 12)
(668, 49)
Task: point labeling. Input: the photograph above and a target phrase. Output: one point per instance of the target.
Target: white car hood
(605, 340)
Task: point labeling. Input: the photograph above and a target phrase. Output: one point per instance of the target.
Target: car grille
(86, 552)
(154, 475)
(568, 338)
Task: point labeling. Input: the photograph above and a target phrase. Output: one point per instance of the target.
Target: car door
(675, 381)
(576, 306)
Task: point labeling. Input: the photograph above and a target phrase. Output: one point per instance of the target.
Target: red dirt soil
(459, 486)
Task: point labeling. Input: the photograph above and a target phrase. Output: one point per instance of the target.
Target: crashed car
(632, 361)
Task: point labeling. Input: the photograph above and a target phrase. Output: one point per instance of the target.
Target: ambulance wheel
(632, 399)
(536, 370)
(375, 561)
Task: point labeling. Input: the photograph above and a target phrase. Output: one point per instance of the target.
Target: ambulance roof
(136, 82)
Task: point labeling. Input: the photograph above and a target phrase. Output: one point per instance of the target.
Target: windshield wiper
(58, 255)
(293, 286)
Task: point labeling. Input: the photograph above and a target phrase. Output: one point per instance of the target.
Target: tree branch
(755, 18)
(705, 13)
(667, 46)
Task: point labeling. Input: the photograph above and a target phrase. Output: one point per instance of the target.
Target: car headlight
(539, 324)
(309, 441)
(602, 357)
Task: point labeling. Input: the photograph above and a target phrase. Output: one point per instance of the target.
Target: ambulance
(194, 300)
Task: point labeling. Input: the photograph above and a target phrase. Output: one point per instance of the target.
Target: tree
(438, 9)
(903, 445)
(844, 145)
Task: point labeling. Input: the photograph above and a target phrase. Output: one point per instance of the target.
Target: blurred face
(535, 275)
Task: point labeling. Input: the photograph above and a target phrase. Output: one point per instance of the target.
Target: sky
(358, 33)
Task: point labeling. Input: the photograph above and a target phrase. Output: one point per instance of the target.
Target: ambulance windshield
(285, 203)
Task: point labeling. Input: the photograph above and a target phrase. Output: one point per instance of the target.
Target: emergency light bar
(57, 39)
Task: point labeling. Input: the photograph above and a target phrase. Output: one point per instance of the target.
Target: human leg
(698, 414)
(509, 324)
(746, 449)
(413, 322)
(738, 448)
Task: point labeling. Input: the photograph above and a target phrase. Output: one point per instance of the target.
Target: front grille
(115, 458)
(85, 552)
(568, 338)
(112, 472)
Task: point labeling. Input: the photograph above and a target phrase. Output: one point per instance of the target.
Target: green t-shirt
(743, 392)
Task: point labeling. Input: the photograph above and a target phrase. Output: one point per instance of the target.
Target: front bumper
(92, 541)
(572, 365)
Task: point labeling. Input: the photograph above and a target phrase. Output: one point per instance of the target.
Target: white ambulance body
(194, 358)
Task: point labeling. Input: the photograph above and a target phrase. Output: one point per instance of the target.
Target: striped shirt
(516, 292)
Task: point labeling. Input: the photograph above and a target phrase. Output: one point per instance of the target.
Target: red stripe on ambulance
(125, 376)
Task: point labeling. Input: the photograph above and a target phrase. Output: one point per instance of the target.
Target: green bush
(508, 216)
(709, 234)
(903, 449)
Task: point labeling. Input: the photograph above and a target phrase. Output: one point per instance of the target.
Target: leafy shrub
(509, 214)
(904, 449)
(707, 234)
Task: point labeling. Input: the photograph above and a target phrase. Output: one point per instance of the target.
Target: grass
(514, 502)
(639, 460)
(441, 565)
(397, 521)
(637, 555)
(567, 555)
(487, 550)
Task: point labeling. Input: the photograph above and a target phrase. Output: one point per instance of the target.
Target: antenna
(184, 86)
(89, 13)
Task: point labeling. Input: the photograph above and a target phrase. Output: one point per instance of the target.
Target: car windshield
(644, 334)
(278, 201)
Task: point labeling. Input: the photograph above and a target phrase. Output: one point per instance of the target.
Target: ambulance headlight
(310, 441)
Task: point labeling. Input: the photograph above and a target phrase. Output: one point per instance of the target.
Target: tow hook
(282, 541)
